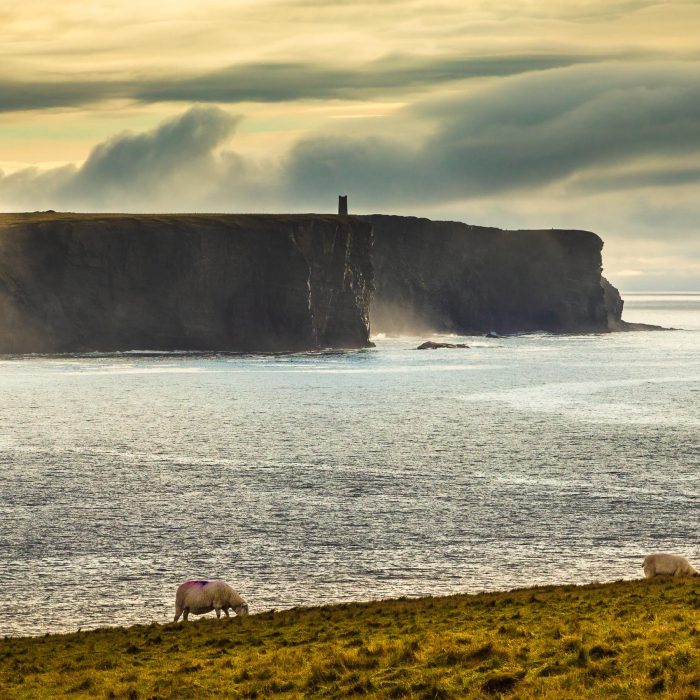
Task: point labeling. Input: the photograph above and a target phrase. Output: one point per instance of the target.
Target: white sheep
(663, 564)
(199, 597)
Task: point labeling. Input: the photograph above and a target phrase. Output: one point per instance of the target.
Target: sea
(318, 478)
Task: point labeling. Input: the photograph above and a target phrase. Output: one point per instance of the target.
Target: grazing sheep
(199, 597)
(663, 564)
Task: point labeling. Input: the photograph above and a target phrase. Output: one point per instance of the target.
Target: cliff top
(476, 228)
(10, 219)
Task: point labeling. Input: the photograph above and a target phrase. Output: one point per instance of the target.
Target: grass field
(625, 640)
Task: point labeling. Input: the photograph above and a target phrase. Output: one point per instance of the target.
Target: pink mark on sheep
(194, 582)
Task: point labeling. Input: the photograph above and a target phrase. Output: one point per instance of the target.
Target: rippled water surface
(306, 479)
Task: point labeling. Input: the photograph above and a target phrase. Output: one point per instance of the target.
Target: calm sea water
(308, 479)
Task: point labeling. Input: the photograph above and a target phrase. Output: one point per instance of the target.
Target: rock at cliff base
(432, 345)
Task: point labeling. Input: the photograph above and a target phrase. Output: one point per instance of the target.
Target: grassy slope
(626, 640)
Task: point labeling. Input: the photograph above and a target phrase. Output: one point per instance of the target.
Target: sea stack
(342, 205)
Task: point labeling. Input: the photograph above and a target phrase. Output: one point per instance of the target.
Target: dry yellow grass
(621, 640)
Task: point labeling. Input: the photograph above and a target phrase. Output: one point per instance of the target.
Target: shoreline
(328, 606)
(136, 353)
(478, 595)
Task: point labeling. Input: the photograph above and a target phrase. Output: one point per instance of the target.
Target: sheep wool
(200, 596)
(664, 564)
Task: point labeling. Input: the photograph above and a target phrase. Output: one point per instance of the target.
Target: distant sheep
(662, 564)
(199, 597)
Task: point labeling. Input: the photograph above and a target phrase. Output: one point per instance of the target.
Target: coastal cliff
(446, 276)
(81, 282)
(268, 283)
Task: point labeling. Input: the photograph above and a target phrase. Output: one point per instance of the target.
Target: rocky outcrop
(451, 277)
(432, 345)
(74, 282)
(613, 307)
(613, 304)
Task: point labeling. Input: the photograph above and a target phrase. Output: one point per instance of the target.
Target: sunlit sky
(519, 114)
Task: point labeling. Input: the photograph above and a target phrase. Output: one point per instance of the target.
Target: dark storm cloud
(283, 82)
(267, 82)
(18, 96)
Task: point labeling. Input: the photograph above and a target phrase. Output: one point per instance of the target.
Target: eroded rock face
(613, 307)
(444, 276)
(73, 282)
(613, 304)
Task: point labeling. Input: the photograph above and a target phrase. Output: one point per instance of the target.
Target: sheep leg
(218, 613)
(178, 612)
(185, 614)
(226, 612)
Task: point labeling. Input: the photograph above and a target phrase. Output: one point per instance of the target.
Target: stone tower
(342, 205)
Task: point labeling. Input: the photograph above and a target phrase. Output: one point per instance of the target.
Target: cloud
(33, 189)
(172, 166)
(521, 134)
(274, 82)
(165, 161)
(18, 95)
(286, 81)
(660, 174)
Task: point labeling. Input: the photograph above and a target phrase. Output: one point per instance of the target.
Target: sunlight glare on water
(306, 479)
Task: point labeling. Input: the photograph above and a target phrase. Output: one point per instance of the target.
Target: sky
(582, 114)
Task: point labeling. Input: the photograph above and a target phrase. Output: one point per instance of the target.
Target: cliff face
(613, 306)
(74, 282)
(449, 276)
